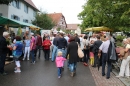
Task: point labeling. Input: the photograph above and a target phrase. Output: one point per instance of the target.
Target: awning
(98, 29)
(15, 23)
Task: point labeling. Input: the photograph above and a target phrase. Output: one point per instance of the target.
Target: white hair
(5, 34)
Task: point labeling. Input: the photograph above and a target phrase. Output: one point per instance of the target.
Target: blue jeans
(73, 67)
(32, 55)
(59, 71)
(54, 51)
(63, 52)
(104, 60)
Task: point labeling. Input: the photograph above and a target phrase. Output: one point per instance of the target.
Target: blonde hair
(59, 53)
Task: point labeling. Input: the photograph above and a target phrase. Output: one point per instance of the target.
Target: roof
(31, 4)
(56, 17)
(72, 26)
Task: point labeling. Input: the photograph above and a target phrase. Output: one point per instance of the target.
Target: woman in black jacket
(73, 55)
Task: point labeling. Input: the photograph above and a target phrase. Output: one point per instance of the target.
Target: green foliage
(110, 13)
(120, 38)
(6, 1)
(43, 21)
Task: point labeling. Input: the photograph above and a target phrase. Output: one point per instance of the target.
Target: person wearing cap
(3, 51)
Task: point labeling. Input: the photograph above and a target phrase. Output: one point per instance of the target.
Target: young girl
(91, 58)
(59, 63)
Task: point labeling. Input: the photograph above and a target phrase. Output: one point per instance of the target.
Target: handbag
(80, 52)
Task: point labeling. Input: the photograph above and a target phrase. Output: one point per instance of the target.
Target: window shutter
(19, 5)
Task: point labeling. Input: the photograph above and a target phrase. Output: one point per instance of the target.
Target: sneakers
(4, 73)
(33, 62)
(59, 76)
(17, 71)
(119, 76)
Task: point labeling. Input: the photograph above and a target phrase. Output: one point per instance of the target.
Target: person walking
(54, 51)
(95, 50)
(3, 51)
(59, 63)
(86, 46)
(32, 48)
(46, 45)
(39, 44)
(27, 48)
(17, 52)
(73, 55)
(62, 44)
(104, 48)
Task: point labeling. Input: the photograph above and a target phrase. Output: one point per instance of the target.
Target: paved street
(44, 73)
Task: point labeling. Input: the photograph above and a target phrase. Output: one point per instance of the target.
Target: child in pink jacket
(59, 63)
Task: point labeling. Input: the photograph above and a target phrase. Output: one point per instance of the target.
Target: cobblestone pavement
(102, 81)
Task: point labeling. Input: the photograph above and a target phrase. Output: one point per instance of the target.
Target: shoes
(127, 77)
(17, 71)
(119, 76)
(85, 64)
(28, 59)
(33, 62)
(4, 73)
(103, 74)
(23, 59)
(72, 74)
(93, 66)
(62, 69)
(59, 76)
(107, 77)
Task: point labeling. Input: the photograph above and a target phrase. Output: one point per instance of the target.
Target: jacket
(46, 44)
(60, 61)
(61, 43)
(3, 46)
(72, 51)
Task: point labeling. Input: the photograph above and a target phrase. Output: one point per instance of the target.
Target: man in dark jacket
(3, 52)
(62, 44)
(95, 50)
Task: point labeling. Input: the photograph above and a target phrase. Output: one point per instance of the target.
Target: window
(26, 8)
(1, 14)
(15, 17)
(25, 20)
(16, 4)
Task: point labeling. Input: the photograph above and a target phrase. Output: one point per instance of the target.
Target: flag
(19, 32)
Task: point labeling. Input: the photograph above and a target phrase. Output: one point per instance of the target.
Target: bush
(120, 38)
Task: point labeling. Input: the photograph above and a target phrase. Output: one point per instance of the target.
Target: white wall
(4, 10)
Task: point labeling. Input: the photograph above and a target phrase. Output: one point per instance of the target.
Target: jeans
(104, 61)
(46, 53)
(27, 52)
(64, 51)
(59, 71)
(86, 56)
(73, 67)
(32, 55)
(2, 62)
(54, 51)
(38, 50)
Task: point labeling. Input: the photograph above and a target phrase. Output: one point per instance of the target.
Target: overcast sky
(69, 8)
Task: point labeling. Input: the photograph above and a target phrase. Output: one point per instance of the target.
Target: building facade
(22, 10)
(74, 28)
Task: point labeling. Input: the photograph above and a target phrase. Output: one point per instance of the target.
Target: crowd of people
(98, 50)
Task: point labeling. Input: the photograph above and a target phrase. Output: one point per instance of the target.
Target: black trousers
(86, 56)
(46, 54)
(2, 62)
(38, 49)
(95, 59)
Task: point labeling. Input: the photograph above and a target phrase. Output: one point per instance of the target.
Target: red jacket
(46, 44)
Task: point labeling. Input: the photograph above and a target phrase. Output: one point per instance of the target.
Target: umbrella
(98, 29)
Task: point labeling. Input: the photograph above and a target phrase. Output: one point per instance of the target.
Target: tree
(110, 13)
(43, 21)
(6, 1)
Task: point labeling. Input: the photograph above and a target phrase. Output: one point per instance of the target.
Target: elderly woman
(125, 55)
(17, 52)
(73, 55)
